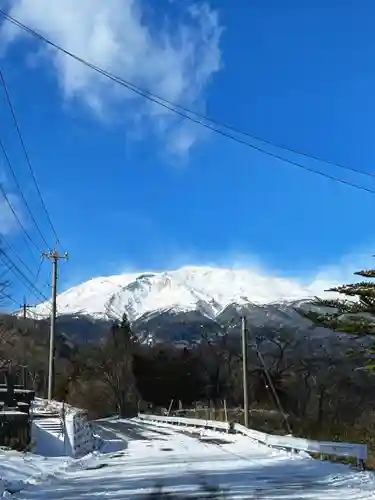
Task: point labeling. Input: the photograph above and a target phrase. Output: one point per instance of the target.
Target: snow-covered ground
(181, 460)
(206, 289)
(20, 469)
(44, 407)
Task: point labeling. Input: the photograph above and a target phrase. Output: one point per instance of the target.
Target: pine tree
(349, 316)
(112, 360)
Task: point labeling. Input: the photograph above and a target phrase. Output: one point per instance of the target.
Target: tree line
(324, 383)
(316, 380)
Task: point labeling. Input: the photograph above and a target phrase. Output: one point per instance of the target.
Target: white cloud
(342, 271)
(267, 285)
(175, 59)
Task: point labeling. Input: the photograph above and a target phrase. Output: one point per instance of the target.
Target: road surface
(180, 460)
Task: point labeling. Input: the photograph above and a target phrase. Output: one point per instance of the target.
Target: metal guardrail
(193, 422)
(294, 444)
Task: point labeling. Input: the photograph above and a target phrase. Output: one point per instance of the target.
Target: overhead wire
(10, 266)
(201, 119)
(31, 284)
(7, 158)
(207, 118)
(28, 284)
(188, 114)
(22, 276)
(27, 157)
(11, 247)
(4, 273)
(7, 296)
(13, 210)
(28, 239)
(48, 300)
(35, 281)
(4, 284)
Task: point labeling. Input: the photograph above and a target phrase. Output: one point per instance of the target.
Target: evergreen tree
(112, 361)
(353, 315)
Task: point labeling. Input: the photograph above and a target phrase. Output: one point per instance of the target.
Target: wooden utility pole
(54, 257)
(24, 307)
(244, 373)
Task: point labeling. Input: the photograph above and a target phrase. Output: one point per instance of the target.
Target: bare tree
(112, 362)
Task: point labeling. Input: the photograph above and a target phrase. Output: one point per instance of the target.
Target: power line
(9, 297)
(35, 281)
(154, 98)
(240, 141)
(28, 161)
(30, 285)
(27, 283)
(2, 147)
(21, 276)
(35, 275)
(185, 113)
(38, 271)
(4, 273)
(6, 198)
(11, 247)
(207, 118)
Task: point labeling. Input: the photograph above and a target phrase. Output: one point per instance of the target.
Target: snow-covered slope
(208, 290)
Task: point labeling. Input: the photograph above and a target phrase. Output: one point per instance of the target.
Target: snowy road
(182, 460)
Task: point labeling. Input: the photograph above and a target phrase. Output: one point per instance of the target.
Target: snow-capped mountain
(207, 290)
(178, 306)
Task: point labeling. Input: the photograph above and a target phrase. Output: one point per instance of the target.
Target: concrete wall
(79, 434)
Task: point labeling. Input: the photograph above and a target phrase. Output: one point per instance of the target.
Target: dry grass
(272, 422)
(262, 420)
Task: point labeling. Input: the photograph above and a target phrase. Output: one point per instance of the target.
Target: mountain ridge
(208, 290)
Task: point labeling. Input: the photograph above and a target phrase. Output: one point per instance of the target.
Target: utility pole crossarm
(24, 308)
(54, 257)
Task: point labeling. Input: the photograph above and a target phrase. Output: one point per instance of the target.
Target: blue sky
(130, 187)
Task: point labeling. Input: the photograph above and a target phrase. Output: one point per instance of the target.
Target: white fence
(358, 451)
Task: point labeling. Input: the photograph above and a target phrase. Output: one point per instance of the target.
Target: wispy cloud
(175, 58)
(270, 284)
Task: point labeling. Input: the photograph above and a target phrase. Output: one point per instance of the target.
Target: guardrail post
(361, 464)
(294, 444)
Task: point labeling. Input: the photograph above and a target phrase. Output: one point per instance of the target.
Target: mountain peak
(206, 289)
